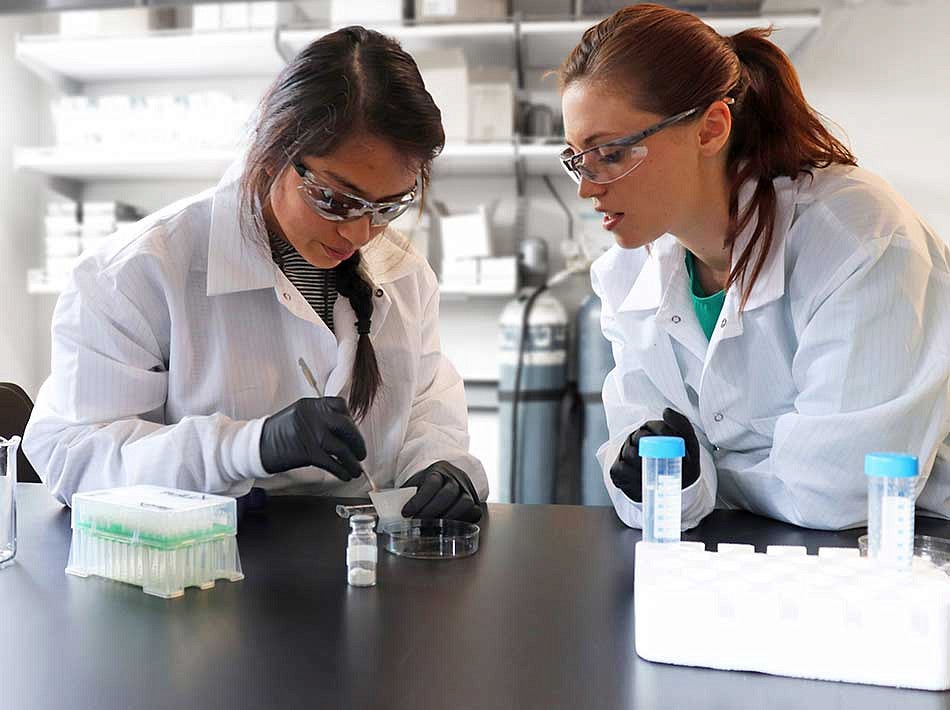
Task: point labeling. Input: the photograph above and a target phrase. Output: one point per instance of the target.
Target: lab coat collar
(653, 281)
(770, 285)
(237, 263)
(664, 271)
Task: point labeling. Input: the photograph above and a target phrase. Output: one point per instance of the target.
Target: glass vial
(361, 552)
(892, 483)
(662, 458)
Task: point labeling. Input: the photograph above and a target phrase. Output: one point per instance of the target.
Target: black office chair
(15, 409)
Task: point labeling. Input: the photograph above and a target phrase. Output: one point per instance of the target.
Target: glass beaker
(8, 452)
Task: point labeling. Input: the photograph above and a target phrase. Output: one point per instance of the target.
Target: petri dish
(431, 539)
(934, 549)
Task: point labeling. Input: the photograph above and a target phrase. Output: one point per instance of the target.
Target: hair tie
(363, 325)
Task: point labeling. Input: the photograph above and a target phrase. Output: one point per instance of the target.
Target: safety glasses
(611, 161)
(339, 206)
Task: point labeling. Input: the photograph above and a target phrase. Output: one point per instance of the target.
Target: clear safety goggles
(611, 161)
(339, 206)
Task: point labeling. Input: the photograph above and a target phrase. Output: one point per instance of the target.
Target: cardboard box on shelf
(347, 12)
(206, 16)
(445, 74)
(317, 11)
(78, 23)
(460, 10)
(491, 100)
(235, 15)
(465, 236)
(459, 274)
(544, 9)
(264, 14)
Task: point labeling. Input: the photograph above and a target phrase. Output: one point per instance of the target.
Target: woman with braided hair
(186, 353)
(780, 309)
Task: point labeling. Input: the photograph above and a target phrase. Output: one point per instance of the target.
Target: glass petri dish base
(431, 539)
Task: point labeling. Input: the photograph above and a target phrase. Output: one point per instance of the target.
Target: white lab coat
(172, 345)
(842, 349)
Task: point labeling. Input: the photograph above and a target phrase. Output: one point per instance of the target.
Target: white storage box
(491, 100)
(206, 16)
(498, 274)
(376, 12)
(465, 236)
(160, 539)
(456, 10)
(445, 74)
(79, 23)
(833, 616)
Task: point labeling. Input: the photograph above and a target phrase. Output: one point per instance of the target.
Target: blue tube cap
(888, 465)
(662, 447)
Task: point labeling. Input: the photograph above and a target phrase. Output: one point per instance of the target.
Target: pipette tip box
(160, 539)
(831, 616)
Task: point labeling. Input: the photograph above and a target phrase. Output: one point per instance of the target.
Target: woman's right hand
(627, 471)
(313, 432)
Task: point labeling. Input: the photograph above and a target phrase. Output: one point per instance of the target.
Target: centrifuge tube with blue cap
(662, 458)
(892, 482)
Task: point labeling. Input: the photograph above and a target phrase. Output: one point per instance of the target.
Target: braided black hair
(352, 285)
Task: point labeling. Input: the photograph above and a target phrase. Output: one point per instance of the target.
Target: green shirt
(707, 308)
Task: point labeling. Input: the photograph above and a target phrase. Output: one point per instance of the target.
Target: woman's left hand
(444, 491)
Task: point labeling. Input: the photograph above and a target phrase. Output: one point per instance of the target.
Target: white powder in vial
(358, 577)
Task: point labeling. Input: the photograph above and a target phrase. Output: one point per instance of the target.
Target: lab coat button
(722, 323)
(286, 296)
(718, 417)
(676, 319)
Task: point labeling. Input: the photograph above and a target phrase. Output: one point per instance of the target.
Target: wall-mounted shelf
(106, 164)
(184, 53)
(154, 164)
(547, 44)
(159, 55)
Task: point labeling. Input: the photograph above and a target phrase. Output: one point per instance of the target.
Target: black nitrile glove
(627, 471)
(444, 492)
(313, 432)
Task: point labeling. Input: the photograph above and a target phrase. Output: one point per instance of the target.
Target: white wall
(881, 70)
(22, 118)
